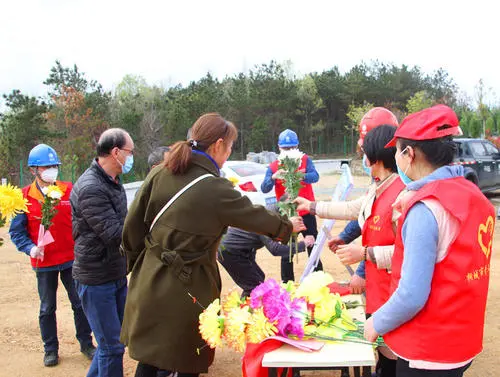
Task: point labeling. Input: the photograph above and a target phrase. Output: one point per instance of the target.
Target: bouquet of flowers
(289, 163)
(309, 311)
(52, 197)
(12, 202)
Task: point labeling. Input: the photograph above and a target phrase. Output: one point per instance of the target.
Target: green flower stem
(323, 337)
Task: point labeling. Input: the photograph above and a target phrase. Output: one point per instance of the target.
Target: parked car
(481, 160)
(247, 176)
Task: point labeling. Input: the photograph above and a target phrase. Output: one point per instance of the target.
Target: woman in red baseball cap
(434, 318)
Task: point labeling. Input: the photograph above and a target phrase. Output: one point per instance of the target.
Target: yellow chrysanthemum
(260, 328)
(235, 325)
(314, 286)
(12, 202)
(212, 325)
(324, 310)
(233, 180)
(233, 300)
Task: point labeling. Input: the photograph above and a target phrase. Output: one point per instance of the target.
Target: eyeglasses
(131, 151)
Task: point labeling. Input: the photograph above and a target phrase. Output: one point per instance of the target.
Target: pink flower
(260, 293)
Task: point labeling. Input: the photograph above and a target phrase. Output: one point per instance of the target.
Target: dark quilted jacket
(99, 207)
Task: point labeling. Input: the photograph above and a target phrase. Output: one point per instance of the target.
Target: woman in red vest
(440, 269)
(377, 220)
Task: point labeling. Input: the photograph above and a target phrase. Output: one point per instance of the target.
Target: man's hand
(357, 284)
(278, 174)
(298, 224)
(37, 252)
(309, 241)
(302, 204)
(370, 333)
(334, 243)
(350, 254)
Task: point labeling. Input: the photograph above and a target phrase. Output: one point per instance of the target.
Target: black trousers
(311, 230)
(145, 370)
(242, 267)
(403, 370)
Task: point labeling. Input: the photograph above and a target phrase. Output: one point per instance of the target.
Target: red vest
(449, 328)
(61, 250)
(378, 231)
(306, 191)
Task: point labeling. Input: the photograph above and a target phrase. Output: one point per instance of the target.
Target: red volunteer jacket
(61, 250)
(378, 231)
(449, 329)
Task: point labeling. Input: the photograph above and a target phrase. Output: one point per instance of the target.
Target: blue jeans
(47, 290)
(104, 306)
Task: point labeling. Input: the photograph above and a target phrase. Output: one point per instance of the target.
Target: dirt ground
(21, 349)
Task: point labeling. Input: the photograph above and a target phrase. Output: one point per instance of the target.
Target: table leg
(344, 372)
(357, 371)
(367, 372)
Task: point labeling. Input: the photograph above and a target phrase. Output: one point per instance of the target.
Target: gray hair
(157, 156)
(114, 137)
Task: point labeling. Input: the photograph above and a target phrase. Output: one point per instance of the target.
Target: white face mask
(49, 175)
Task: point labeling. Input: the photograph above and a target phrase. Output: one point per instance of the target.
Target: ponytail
(207, 129)
(179, 157)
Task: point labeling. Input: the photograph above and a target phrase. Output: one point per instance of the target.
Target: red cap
(425, 124)
(373, 118)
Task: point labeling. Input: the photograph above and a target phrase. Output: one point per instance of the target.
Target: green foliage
(323, 107)
(419, 101)
(22, 126)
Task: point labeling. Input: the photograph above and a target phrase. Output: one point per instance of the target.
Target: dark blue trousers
(287, 273)
(47, 290)
(104, 306)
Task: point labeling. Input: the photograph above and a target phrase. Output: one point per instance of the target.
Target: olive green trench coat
(177, 261)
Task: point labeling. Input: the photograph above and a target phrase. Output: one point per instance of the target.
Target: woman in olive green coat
(176, 261)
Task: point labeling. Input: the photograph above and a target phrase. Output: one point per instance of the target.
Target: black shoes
(51, 358)
(88, 351)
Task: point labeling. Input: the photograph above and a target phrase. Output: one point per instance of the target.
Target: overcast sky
(170, 42)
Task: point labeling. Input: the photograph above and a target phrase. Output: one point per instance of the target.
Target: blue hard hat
(288, 139)
(43, 155)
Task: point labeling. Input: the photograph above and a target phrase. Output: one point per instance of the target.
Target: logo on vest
(485, 235)
(376, 219)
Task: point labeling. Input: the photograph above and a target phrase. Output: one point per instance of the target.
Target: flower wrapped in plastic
(309, 311)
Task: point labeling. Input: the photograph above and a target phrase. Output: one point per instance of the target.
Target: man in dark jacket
(237, 253)
(99, 207)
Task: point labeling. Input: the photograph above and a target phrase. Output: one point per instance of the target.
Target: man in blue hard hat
(287, 140)
(55, 260)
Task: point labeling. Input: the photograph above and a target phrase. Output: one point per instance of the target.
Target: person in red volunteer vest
(440, 269)
(288, 140)
(375, 117)
(377, 220)
(55, 260)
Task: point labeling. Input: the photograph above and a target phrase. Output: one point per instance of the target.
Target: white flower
(45, 190)
(54, 195)
(293, 154)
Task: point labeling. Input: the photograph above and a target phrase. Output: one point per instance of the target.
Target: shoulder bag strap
(174, 198)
